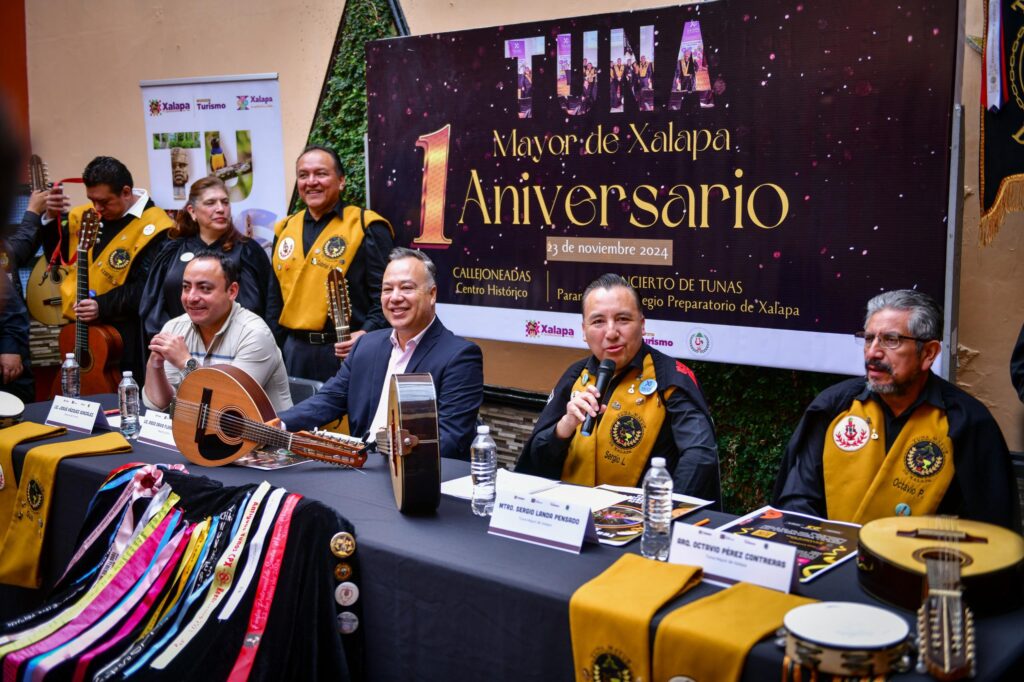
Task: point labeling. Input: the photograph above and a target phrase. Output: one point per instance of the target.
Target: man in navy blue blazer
(417, 342)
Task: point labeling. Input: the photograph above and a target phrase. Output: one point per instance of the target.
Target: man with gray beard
(905, 442)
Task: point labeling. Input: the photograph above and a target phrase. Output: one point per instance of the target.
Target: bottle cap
(69, 356)
(483, 430)
(127, 373)
(658, 462)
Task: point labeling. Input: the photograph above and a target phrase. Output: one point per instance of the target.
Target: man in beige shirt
(214, 330)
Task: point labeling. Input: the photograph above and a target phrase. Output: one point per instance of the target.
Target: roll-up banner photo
(229, 126)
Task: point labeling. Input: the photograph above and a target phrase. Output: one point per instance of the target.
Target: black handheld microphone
(604, 377)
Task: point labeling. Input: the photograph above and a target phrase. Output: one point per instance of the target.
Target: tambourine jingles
(844, 638)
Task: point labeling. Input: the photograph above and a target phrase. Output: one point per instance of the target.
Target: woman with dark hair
(204, 223)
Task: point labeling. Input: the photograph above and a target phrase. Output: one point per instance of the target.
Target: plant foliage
(756, 410)
(340, 120)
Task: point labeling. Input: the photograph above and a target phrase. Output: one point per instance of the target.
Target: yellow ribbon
(708, 640)
(610, 616)
(23, 541)
(10, 438)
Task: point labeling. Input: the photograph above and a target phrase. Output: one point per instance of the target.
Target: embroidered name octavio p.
(851, 434)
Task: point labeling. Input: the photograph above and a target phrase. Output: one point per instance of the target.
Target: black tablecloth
(443, 599)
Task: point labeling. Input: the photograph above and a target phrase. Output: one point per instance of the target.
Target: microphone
(604, 377)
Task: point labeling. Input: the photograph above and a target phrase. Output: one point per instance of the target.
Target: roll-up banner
(229, 126)
(757, 170)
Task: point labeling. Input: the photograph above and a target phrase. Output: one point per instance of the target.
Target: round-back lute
(414, 449)
(893, 553)
(219, 414)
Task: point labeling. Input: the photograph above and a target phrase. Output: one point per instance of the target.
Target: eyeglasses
(890, 340)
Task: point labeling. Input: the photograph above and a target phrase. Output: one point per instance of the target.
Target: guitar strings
(270, 432)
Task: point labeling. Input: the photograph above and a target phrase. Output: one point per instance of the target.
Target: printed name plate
(729, 558)
(155, 429)
(76, 414)
(559, 525)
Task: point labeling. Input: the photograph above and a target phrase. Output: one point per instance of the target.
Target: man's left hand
(343, 348)
(87, 310)
(11, 366)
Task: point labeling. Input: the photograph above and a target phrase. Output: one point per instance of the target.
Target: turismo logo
(159, 106)
(534, 329)
(652, 340)
(699, 342)
(207, 105)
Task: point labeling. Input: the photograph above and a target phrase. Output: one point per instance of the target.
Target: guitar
(219, 415)
(43, 291)
(97, 347)
(338, 306)
(893, 553)
(945, 626)
(413, 447)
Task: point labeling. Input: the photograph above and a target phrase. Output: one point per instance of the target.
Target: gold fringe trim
(1009, 198)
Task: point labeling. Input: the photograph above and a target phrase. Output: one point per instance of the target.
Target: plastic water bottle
(128, 398)
(484, 465)
(657, 511)
(70, 377)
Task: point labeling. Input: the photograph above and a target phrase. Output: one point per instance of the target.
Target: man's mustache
(878, 366)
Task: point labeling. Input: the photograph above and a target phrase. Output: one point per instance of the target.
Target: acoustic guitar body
(212, 413)
(414, 449)
(892, 553)
(42, 295)
(98, 358)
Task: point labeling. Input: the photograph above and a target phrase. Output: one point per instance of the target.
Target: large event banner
(757, 170)
(229, 126)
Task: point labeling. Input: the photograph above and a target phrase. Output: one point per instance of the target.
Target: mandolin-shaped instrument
(893, 554)
(42, 295)
(97, 347)
(219, 415)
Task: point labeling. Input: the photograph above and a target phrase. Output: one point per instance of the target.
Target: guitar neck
(338, 303)
(82, 293)
(945, 626)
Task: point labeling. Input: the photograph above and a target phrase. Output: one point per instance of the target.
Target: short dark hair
(338, 165)
(232, 271)
(610, 280)
(106, 170)
(400, 252)
(925, 320)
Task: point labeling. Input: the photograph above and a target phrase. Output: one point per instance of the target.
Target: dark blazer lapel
(372, 388)
(427, 343)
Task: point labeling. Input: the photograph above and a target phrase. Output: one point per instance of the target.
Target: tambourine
(843, 638)
(11, 410)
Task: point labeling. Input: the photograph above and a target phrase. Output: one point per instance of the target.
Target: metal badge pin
(616, 405)
(632, 388)
(641, 400)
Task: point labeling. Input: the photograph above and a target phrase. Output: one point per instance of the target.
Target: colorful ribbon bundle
(176, 576)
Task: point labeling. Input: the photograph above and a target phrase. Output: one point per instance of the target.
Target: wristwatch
(190, 366)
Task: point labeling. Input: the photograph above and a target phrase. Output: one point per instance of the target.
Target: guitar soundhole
(86, 362)
(231, 423)
(942, 554)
